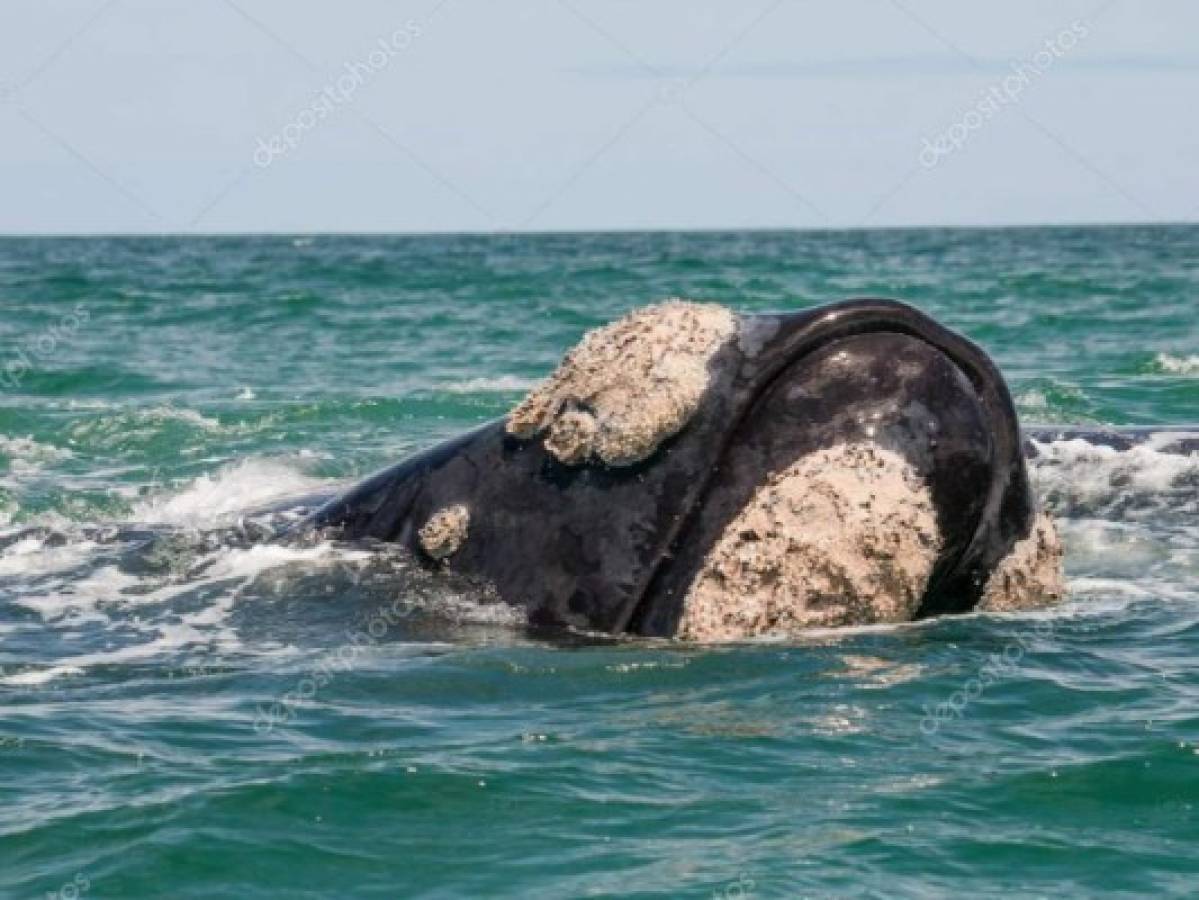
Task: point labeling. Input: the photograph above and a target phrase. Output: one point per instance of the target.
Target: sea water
(189, 711)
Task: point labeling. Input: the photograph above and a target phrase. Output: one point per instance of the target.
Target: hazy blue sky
(278, 115)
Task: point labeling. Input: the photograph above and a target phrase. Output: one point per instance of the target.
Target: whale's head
(689, 471)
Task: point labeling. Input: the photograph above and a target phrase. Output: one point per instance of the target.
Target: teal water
(215, 717)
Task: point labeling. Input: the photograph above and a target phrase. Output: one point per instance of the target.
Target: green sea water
(186, 711)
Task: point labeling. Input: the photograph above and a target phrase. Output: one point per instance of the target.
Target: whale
(690, 472)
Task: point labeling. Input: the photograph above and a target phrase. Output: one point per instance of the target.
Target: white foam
(238, 488)
(76, 404)
(109, 585)
(27, 457)
(31, 556)
(36, 677)
(1117, 588)
(250, 562)
(26, 448)
(1177, 365)
(1077, 477)
(1032, 399)
(498, 384)
(127, 422)
(77, 599)
(108, 595)
(169, 641)
(469, 611)
(190, 416)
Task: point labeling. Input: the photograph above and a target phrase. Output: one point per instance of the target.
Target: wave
(500, 384)
(1076, 477)
(27, 460)
(232, 491)
(145, 423)
(29, 450)
(1168, 364)
(1052, 401)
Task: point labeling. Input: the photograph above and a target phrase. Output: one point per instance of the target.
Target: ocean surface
(187, 711)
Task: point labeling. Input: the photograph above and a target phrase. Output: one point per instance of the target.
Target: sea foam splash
(233, 490)
(1077, 478)
(500, 384)
(1176, 365)
(29, 450)
(168, 578)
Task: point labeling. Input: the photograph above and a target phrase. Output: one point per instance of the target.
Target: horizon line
(765, 229)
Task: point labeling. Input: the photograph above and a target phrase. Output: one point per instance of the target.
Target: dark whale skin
(613, 549)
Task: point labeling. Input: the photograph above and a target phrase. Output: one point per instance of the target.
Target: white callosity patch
(445, 532)
(1030, 575)
(628, 386)
(844, 536)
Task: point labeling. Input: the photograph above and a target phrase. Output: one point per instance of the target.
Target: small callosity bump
(445, 532)
(1031, 574)
(628, 386)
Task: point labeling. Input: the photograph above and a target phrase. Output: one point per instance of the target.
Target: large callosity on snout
(690, 472)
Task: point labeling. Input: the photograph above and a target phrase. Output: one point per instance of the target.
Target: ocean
(187, 711)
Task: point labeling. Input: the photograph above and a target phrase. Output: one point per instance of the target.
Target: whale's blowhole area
(627, 386)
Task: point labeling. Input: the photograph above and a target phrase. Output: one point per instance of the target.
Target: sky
(145, 116)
